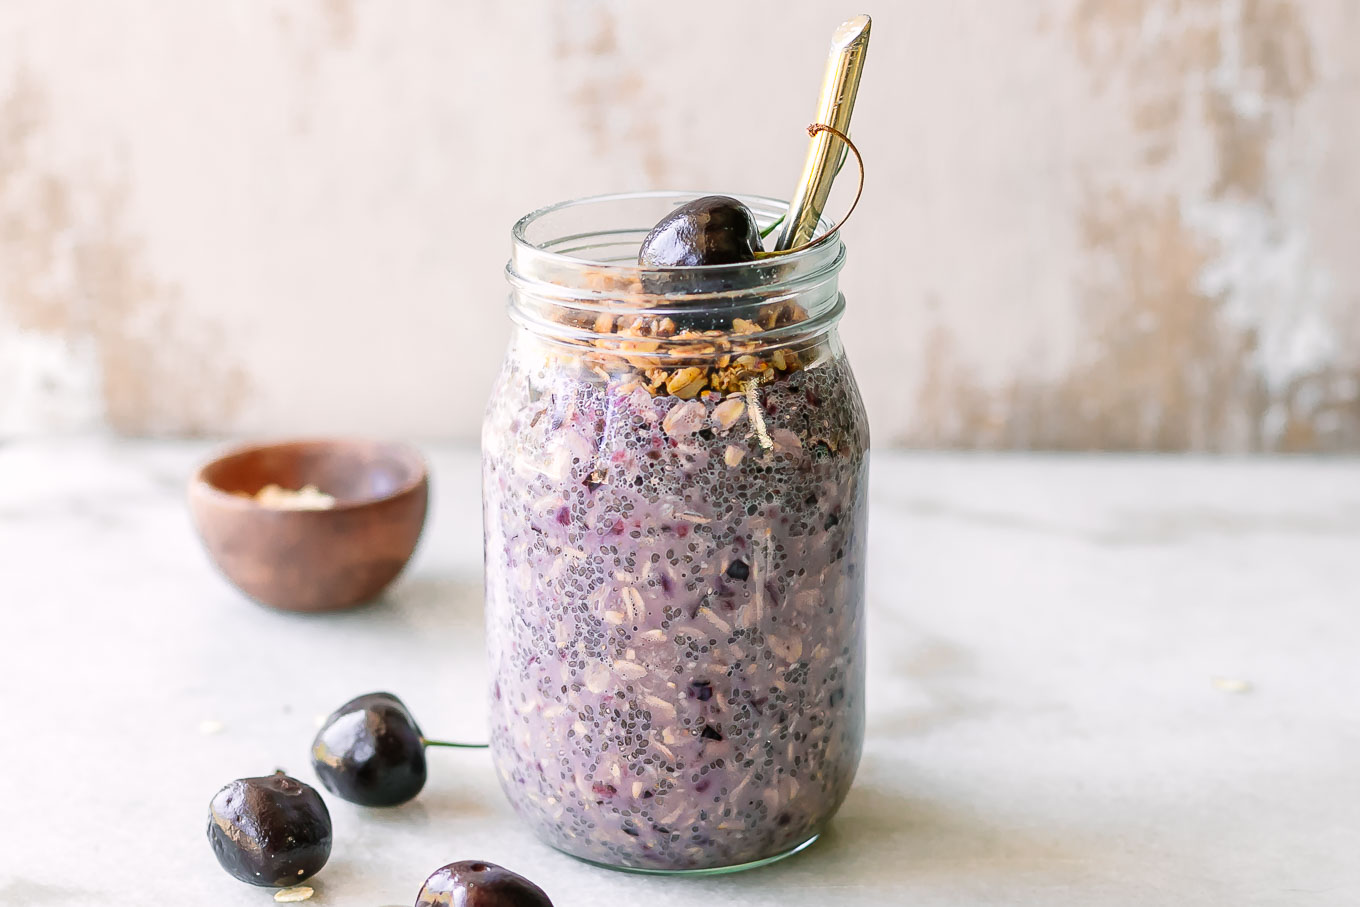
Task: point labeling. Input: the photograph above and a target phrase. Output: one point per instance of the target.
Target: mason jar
(674, 477)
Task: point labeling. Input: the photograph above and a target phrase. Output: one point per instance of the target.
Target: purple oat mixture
(675, 592)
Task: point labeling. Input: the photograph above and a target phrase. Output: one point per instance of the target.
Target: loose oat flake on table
(294, 894)
(1231, 685)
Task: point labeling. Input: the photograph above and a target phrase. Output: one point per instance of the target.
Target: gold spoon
(825, 152)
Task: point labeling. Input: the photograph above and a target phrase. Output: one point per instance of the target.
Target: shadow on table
(882, 842)
(21, 890)
(435, 806)
(942, 675)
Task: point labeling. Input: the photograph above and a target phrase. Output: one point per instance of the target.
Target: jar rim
(559, 295)
(825, 247)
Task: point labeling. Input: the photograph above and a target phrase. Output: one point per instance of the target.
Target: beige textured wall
(1125, 224)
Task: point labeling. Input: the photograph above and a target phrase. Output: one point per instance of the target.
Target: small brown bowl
(312, 560)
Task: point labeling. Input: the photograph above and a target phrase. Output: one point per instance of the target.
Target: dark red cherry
(273, 830)
(370, 751)
(713, 230)
(477, 883)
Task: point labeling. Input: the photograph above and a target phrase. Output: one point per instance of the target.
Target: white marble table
(1045, 726)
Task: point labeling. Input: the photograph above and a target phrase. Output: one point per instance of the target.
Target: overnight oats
(675, 466)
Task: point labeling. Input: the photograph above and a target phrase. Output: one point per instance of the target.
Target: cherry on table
(273, 830)
(477, 883)
(370, 751)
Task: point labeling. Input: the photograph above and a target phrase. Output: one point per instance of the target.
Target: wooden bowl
(312, 560)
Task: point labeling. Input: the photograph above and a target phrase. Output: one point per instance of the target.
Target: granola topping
(669, 360)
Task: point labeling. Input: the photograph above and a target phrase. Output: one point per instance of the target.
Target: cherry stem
(462, 746)
(813, 130)
(774, 224)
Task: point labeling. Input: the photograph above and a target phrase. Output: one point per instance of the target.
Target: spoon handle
(837, 103)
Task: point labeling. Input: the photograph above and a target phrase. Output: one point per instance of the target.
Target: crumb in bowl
(276, 497)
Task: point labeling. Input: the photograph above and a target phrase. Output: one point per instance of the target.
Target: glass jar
(674, 477)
